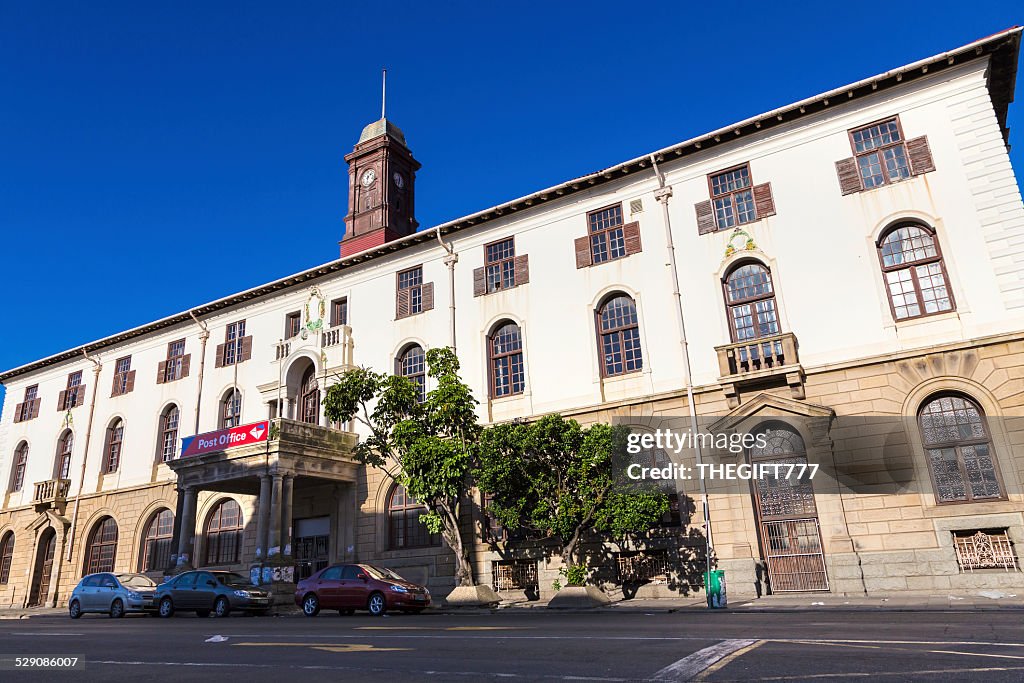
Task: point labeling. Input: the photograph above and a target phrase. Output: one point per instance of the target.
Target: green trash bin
(714, 583)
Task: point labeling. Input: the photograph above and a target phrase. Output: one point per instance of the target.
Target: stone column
(348, 517)
(186, 543)
(179, 509)
(263, 518)
(286, 514)
(274, 541)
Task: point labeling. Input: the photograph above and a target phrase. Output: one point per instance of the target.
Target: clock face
(368, 177)
(399, 180)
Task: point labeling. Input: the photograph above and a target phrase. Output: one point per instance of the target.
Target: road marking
(900, 674)
(431, 628)
(975, 654)
(727, 660)
(43, 633)
(688, 667)
(331, 647)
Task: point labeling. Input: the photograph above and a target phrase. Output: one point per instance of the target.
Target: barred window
(156, 542)
(880, 153)
(733, 197)
(959, 450)
(619, 336)
(20, 463)
(223, 533)
(501, 265)
(508, 375)
(405, 530)
(101, 548)
(412, 364)
(914, 273)
(607, 239)
(750, 302)
(169, 433)
(112, 453)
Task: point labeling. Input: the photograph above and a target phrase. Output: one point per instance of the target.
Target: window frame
(233, 335)
(339, 311)
(292, 321)
(408, 521)
(419, 379)
(732, 196)
(28, 408)
(605, 234)
(121, 376)
(114, 446)
(151, 541)
(956, 445)
(494, 358)
(601, 333)
(6, 555)
(236, 534)
(415, 302)
(19, 466)
(885, 172)
(161, 450)
(749, 301)
(174, 368)
(911, 267)
(74, 385)
(65, 449)
(95, 562)
(503, 263)
(227, 401)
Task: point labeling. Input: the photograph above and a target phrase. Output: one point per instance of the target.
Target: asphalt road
(533, 645)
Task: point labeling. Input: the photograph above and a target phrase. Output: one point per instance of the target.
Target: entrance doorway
(44, 565)
(311, 547)
(787, 517)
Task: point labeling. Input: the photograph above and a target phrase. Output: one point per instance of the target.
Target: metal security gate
(787, 516)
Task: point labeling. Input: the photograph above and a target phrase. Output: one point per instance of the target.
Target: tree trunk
(453, 537)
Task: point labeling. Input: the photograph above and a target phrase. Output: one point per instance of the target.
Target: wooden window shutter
(61, 397)
(19, 412)
(522, 269)
(480, 281)
(218, 362)
(631, 237)
(114, 390)
(34, 410)
(402, 304)
(161, 372)
(764, 203)
(184, 364)
(131, 382)
(705, 218)
(428, 296)
(80, 395)
(583, 256)
(849, 176)
(246, 348)
(920, 155)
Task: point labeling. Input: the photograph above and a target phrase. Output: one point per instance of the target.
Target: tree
(555, 478)
(429, 442)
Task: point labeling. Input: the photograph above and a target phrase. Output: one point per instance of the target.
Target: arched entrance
(786, 513)
(43, 568)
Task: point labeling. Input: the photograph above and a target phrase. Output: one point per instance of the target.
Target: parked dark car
(208, 590)
(113, 594)
(348, 587)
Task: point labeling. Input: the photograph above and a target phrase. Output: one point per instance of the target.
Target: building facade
(859, 254)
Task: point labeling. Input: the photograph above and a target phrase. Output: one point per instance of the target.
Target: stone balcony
(760, 363)
(52, 493)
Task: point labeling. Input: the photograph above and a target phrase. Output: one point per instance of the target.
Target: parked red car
(348, 587)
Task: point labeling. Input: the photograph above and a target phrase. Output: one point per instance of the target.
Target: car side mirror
(362, 577)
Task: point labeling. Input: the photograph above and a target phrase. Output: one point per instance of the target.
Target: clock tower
(381, 179)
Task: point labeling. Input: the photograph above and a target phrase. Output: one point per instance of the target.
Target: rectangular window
(233, 343)
(732, 196)
(292, 325)
(607, 239)
(74, 395)
(339, 312)
(880, 153)
(29, 407)
(175, 358)
(412, 281)
(501, 265)
(124, 378)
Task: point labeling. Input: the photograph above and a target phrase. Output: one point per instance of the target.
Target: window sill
(925, 319)
(891, 183)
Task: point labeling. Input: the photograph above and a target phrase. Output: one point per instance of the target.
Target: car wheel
(222, 607)
(311, 605)
(116, 609)
(346, 612)
(376, 604)
(202, 613)
(166, 608)
(75, 609)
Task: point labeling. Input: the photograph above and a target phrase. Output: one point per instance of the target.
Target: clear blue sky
(155, 156)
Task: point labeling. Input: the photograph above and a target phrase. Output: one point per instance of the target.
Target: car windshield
(382, 573)
(232, 579)
(136, 581)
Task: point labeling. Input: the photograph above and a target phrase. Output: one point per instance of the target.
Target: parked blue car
(113, 594)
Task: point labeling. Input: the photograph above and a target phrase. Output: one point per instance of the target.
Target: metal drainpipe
(203, 336)
(450, 260)
(662, 194)
(96, 367)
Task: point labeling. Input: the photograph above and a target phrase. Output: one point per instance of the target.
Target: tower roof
(381, 127)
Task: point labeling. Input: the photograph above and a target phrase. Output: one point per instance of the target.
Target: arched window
(168, 440)
(412, 364)
(112, 450)
(20, 463)
(309, 397)
(65, 446)
(156, 542)
(231, 409)
(223, 533)
(959, 450)
(101, 548)
(6, 555)
(914, 274)
(505, 347)
(404, 527)
(619, 336)
(750, 302)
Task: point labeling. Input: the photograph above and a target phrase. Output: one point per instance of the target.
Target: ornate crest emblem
(739, 240)
(316, 309)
